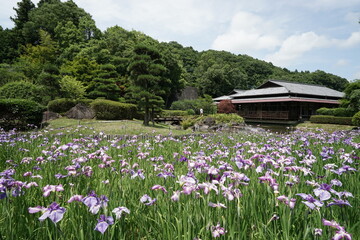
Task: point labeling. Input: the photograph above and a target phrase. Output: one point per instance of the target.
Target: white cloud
(342, 62)
(185, 17)
(296, 45)
(353, 40)
(353, 17)
(323, 5)
(248, 32)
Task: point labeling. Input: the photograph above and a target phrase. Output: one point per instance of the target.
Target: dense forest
(55, 50)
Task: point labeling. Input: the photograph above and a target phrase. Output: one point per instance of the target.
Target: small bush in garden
(343, 112)
(205, 103)
(111, 110)
(226, 106)
(61, 105)
(190, 112)
(173, 113)
(356, 119)
(190, 121)
(227, 119)
(23, 90)
(19, 113)
(325, 111)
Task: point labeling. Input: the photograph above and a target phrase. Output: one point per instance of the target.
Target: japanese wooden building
(276, 101)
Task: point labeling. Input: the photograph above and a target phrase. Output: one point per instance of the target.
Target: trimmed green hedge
(356, 119)
(331, 119)
(339, 112)
(20, 113)
(173, 113)
(111, 110)
(62, 105)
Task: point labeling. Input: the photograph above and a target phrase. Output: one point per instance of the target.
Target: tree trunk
(147, 113)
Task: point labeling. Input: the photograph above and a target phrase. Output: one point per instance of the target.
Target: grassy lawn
(120, 127)
(326, 127)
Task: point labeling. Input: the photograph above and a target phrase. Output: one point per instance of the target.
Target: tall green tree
(351, 99)
(105, 84)
(22, 13)
(147, 74)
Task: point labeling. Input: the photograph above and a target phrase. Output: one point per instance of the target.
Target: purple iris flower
(217, 231)
(217, 205)
(183, 159)
(52, 188)
(54, 212)
(323, 192)
(311, 202)
(176, 196)
(147, 200)
(342, 234)
(159, 187)
(77, 198)
(103, 223)
(95, 203)
(119, 211)
(339, 202)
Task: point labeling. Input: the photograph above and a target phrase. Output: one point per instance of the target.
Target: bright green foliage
(148, 81)
(352, 96)
(35, 57)
(23, 90)
(82, 68)
(223, 119)
(356, 119)
(327, 119)
(18, 113)
(49, 14)
(173, 113)
(325, 111)
(71, 88)
(111, 110)
(61, 105)
(201, 103)
(67, 34)
(105, 84)
(10, 74)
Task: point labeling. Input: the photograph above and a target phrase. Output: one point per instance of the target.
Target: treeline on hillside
(55, 50)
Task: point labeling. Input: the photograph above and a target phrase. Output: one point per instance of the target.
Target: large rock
(80, 111)
(48, 115)
(209, 121)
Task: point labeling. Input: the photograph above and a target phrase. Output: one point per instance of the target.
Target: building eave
(284, 99)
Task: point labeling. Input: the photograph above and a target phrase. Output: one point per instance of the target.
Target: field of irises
(299, 185)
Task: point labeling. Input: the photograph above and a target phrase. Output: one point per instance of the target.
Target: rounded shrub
(23, 90)
(325, 111)
(356, 119)
(226, 106)
(20, 113)
(111, 110)
(61, 105)
(343, 112)
(173, 113)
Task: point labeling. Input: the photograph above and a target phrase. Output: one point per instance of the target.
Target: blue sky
(296, 34)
